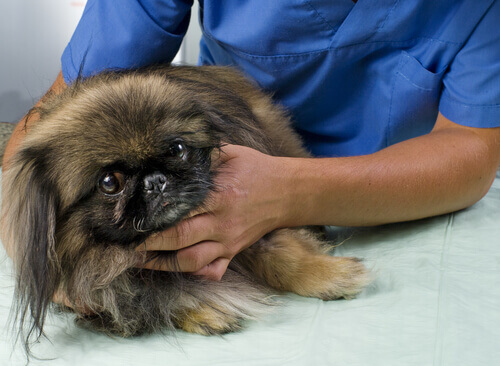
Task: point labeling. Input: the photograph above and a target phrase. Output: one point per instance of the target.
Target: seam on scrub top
(323, 50)
(401, 62)
(318, 14)
(387, 16)
(412, 83)
(439, 340)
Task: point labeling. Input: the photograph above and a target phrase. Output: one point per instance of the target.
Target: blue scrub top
(356, 77)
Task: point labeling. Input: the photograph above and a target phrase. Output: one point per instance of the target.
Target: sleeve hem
(482, 116)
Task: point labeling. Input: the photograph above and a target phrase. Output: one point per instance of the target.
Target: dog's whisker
(138, 225)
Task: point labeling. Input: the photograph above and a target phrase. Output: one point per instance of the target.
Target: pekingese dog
(123, 155)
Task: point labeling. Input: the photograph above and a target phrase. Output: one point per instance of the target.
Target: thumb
(213, 271)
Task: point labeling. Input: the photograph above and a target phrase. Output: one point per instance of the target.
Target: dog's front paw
(333, 278)
(348, 277)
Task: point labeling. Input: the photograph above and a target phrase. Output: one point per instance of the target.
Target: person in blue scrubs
(398, 100)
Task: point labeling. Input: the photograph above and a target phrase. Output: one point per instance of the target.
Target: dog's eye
(112, 183)
(178, 150)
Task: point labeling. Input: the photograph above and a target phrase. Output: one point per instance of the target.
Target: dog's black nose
(155, 183)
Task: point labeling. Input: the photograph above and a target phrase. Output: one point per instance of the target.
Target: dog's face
(124, 164)
(131, 198)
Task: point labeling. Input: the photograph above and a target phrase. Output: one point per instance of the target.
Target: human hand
(247, 204)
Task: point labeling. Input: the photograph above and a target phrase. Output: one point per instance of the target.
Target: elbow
(485, 169)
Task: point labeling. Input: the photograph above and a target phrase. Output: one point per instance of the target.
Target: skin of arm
(446, 170)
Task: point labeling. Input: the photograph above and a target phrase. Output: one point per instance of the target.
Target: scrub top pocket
(414, 100)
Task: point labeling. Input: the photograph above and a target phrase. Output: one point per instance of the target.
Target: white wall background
(33, 35)
(190, 48)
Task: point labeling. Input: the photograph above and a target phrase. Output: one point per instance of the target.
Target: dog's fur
(69, 236)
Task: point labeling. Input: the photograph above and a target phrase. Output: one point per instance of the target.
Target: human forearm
(449, 169)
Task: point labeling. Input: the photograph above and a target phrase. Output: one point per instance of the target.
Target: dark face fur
(132, 199)
(133, 164)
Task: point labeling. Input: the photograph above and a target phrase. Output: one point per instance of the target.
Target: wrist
(294, 187)
(316, 191)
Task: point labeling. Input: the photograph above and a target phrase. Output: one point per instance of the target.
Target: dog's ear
(30, 203)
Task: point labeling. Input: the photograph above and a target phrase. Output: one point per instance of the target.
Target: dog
(91, 182)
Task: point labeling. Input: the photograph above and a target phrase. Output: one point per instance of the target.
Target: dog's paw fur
(334, 278)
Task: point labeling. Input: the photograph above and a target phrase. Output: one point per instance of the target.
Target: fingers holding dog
(182, 235)
(214, 270)
(208, 259)
(205, 245)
